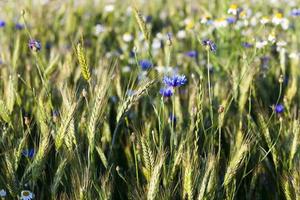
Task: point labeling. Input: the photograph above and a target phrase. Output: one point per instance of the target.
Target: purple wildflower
(295, 12)
(172, 118)
(192, 54)
(131, 54)
(148, 19)
(145, 64)
(28, 153)
(19, 26)
(2, 23)
(279, 108)
(175, 80)
(209, 43)
(231, 20)
(34, 45)
(265, 60)
(48, 45)
(166, 92)
(247, 45)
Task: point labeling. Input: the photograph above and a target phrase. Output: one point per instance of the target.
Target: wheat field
(161, 99)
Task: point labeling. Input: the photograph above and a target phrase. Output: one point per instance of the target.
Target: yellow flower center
(278, 15)
(26, 193)
(243, 14)
(233, 6)
(190, 24)
(222, 19)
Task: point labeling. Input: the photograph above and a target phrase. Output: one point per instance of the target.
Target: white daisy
(127, 37)
(294, 55)
(221, 22)
(126, 69)
(264, 20)
(109, 8)
(285, 23)
(181, 34)
(261, 44)
(280, 45)
(26, 195)
(165, 69)
(253, 21)
(99, 28)
(2, 193)
(233, 9)
(189, 23)
(278, 19)
(156, 44)
(272, 38)
(206, 20)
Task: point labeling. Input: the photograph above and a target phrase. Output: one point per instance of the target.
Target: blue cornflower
(247, 45)
(28, 153)
(209, 43)
(175, 80)
(279, 108)
(172, 118)
(166, 92)
(295, 12)
(34, 45)
(48, 45)
(148, 19)
(265, 60)
(231, 20)
(2, 23)
(192, 54)
(131, 54)
(19, 26)
(55, 115)
(145, 64)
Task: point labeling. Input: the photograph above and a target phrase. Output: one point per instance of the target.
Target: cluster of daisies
(25, 194)
(241, 17)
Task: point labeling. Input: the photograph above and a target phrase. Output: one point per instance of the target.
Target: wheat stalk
(66, 119)
(295, 142)
(37, 165)
(99, 104)
(142, 24)
(155, 177)
(83, 62)
(4, 112)
(58, 176)
(148, 156)
(235, 162)
(208, 177)
(187, 178)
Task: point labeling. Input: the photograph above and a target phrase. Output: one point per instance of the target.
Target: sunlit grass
(149, 100)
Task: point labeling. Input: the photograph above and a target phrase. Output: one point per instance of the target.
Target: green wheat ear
(142, 24)
(82, 62)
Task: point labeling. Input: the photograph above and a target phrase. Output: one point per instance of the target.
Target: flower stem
(209, 90)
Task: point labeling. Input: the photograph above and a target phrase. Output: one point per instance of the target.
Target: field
(161, 99)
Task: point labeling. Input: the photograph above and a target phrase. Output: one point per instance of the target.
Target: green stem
(136, 165)
(209, 90)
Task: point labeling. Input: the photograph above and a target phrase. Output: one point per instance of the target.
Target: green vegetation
(149, 99)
